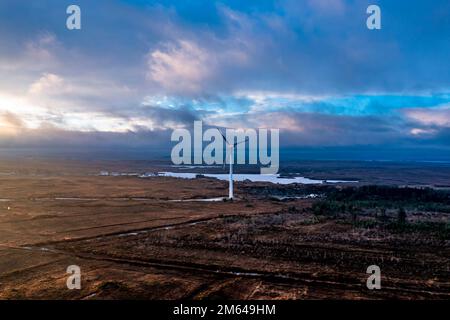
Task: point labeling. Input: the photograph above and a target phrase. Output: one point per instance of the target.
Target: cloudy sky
(137, 69)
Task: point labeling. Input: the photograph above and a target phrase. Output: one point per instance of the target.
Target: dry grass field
(133, 241)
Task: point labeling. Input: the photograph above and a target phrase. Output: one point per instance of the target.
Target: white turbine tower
(231, 160)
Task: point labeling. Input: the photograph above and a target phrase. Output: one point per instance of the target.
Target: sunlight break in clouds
(10, 124)
(439, 116)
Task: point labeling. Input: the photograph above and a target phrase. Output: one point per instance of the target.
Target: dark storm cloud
(310, 67)
(308, 46)
(183, 115)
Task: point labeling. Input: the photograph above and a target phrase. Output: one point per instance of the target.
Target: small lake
(273, 178)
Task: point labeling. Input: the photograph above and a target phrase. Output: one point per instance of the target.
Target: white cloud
(41, 48)
(201, 63)
(49, 82)
(431, 117)
(420, 132)
(181, 67)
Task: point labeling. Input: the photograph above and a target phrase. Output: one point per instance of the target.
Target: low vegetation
(392, 208)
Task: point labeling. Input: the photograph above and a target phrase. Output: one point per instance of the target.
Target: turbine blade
(223, 136)
(237, 143)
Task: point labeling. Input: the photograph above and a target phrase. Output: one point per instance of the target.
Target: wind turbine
(231, 160)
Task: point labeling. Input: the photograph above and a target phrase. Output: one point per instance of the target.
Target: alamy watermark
(73, 21)
(374, 280)
(247, 144)
(74, 280)
(373, 22)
